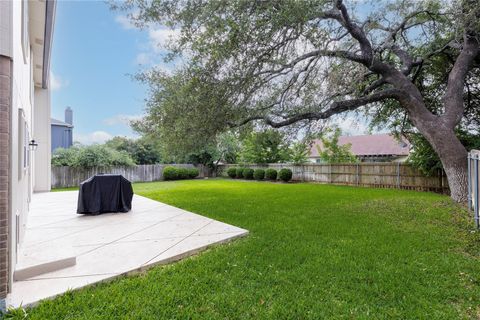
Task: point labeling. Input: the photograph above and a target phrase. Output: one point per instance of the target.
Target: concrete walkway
(63, 250)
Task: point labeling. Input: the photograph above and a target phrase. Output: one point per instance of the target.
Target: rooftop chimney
(69, 116)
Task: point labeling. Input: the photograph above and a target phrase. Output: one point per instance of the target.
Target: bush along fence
(474, 185)
(259, 174)
(63, 177)
(382, 175)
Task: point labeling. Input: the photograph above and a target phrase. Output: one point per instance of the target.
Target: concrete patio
(63, 250)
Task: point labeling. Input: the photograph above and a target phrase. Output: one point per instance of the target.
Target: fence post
(358, 175)
(477, 194)
(469, 174)
(398, 175)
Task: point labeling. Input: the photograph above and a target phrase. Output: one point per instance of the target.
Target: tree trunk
(453, 156)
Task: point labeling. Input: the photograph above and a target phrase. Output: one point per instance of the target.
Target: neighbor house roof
(369, 145)
(56, 122)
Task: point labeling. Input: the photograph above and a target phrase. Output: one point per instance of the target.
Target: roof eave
(50, 8)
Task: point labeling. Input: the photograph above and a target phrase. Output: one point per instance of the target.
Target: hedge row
(174, 173)
(259, 174)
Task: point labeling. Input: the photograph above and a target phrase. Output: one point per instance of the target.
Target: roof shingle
(369, 145)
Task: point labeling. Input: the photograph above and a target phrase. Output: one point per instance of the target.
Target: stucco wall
(41, 133)
(22, 107)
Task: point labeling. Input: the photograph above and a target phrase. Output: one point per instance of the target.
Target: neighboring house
(62, 131)
(26, 30)
(369, 148)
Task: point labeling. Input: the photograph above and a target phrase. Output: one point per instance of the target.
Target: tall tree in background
(142, 150)
(267, 146)
(288, 63)
(332, 152)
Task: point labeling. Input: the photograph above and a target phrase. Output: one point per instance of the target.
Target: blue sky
(95, 51)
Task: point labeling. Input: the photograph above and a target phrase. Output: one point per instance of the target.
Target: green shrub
(248, 173)
(239, 172)
(183, 173)
(232, 172)
(259, 174)
(271, 174)
(193, 173)
(170, 173)
(285, 174)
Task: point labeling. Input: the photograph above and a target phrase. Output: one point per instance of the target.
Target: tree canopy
(90, 156)
(411, 64)
(267, 146)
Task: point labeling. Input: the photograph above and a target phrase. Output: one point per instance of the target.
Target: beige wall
(41, 133)
(25, 113)
(21, 113)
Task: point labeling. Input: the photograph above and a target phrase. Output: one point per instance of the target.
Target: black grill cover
(105, 193)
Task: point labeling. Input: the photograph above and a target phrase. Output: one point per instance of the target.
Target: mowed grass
(313, 252)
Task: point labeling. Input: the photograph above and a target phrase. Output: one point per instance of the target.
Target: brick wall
(5, 107)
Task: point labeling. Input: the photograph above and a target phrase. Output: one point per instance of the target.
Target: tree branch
(357, 33)
(453, 99)
(336, 107)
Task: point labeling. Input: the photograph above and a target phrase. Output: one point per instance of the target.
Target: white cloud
(93, 137)
(56, 82)
(160, 37)
(143, 58)
(156, 46)
(125, 22)
(123, 119)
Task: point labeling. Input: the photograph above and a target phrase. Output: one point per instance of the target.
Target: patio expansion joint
(172, 246)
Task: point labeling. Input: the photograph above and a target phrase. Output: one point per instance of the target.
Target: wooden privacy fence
(382, 175)
(63, 177)
(474, 184)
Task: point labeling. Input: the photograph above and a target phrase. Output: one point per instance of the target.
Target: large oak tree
(285, 63)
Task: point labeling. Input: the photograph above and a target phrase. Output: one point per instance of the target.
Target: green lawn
(314, 251)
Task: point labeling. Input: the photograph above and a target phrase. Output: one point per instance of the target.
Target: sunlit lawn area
(314, 251)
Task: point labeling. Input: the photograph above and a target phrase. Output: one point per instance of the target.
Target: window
(25, 40)
(23, 144)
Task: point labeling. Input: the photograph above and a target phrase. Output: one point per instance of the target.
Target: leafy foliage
(267, 146)
(91, 156)
(142, 151)
(174, 173)
(170, 173)
(299, 153)
(424, 157)
(271, 174)
(232, 172)
(259, 174)
(294, 63)
(248, 173)
(332, 152)
(285, 174)
(239, 172)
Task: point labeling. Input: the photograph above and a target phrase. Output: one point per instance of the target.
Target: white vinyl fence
(474, 184)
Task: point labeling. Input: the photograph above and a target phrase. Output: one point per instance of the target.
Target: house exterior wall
(61, 137)
(42, 177)
(22, 127)
(20, 122)
(5, 106)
